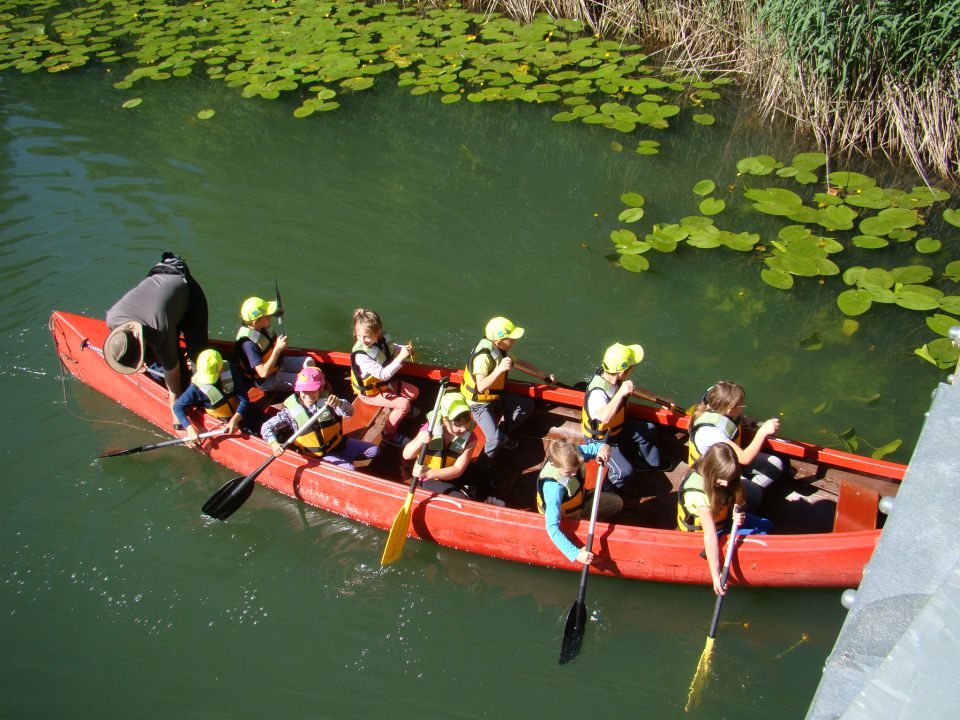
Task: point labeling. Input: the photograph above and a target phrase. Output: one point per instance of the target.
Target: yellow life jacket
(574, 489)
(468, 387)
(690, 488)
(711, 419)
(323, 436)
(263, 340)
(222, 400)
(440, 455)
(381, 353)
(592, 428)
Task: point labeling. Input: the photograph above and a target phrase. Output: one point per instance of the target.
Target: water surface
(119, 597)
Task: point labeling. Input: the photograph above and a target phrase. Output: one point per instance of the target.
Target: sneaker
(509, 444)
(396, 440)
(309, 362)
(494, 501)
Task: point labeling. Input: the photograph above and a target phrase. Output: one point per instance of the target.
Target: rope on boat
(63, 356)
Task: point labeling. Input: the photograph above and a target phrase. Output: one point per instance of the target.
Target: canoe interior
(805, 500)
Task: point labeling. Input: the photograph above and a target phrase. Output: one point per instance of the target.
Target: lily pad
(941, 323)
(851, 181)
(952, 217)
(870, 242)
(206, 114)
(927, 245)
(712, 206)
(950, 303)
(634, 263)
(132, 103)
(704, 119)
(758, 165)
(623, 237)
(704, 187)
(952, 270)
(632, 199)
(884, 450)
(853, 302)
(630, 215)
(940, 352)
(912, 274)
(849, 327)
(918, 297)
(777, 278)
(887, 220)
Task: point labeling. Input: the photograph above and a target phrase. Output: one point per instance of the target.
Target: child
(219, 390)
(633, 442)
(561, 492)
(447, 464)
(325, 438)
(711, 490)
(716, 419)
(261, 352)
(484, 378)
(374, 360)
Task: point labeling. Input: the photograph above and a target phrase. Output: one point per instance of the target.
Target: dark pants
(634, 448)
(477, 483)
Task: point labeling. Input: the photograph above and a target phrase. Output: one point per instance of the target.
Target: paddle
(276, 286)
(637, 392)
(577, 616)
(401, 523)
(168, 443)
(703, 666)
(228, 499)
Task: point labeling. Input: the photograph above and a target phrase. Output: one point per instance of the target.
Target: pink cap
(309, 379)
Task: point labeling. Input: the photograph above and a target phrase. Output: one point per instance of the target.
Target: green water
(119, 597)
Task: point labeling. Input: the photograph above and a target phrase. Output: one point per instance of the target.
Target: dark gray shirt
(160, 303)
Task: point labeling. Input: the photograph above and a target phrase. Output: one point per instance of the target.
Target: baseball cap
(255, 308)
(619, 357)
(209, 365)
(499, 328)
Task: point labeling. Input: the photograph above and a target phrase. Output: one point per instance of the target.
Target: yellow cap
(255, 308)
(500, 328)
(619, 357)
(209, 365)
(453, 405)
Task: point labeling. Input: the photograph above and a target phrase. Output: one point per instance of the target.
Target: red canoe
(826, 513)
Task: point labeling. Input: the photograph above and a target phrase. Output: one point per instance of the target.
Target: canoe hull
(808, 560)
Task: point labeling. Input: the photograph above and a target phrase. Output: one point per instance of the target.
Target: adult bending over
(152, 316)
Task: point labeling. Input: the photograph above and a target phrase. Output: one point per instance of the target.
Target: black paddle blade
(573, 633)
(228, 499)
(118, 453)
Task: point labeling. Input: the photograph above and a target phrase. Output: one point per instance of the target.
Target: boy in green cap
(484, 379)
(633, 443)
(261, 352)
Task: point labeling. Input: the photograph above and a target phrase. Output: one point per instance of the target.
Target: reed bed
(861, 76)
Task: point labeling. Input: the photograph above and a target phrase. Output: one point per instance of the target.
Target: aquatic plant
(321, 52)
(852, 218)
(859, 76)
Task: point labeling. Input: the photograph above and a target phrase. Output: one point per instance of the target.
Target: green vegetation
(880, 76)
(320, 52)
(848, 223)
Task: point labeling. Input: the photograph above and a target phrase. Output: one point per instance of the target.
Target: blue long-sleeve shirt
(552, 498)
(193, 397)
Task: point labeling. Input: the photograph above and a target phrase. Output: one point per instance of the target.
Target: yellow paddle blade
(700, 678)
(398, 533)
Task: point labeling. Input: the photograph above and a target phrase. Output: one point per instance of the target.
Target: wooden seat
(856, 508)
(366, 423)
